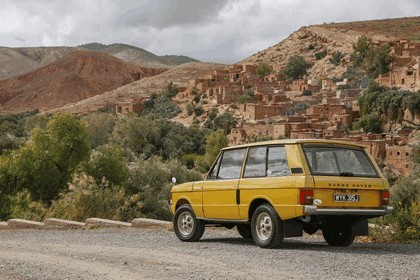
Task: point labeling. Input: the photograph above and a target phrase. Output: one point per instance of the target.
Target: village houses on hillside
(307, 108)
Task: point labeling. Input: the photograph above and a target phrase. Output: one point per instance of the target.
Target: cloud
(216, 30)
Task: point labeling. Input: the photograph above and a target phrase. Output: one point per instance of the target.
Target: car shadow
(315, 246)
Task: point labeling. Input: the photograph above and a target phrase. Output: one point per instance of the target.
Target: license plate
(346, 197)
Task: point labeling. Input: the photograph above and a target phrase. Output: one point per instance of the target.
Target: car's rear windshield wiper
(348, 174)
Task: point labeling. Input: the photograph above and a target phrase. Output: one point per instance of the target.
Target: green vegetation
(306, 92)
(369, 123)
(320, 55)
(263, 69)
(403, 224)
(373, 60)
(336, 57)
(296, 68)
(247, 97)
(160, 106)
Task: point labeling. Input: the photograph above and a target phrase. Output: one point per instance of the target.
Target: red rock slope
(78, 76)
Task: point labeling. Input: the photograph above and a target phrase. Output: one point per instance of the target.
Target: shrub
(190, 109)
(369, 123)
(320, 55)
(336, 57)
(263, 69)
(311, 47)
(198, 110)
(21, 206)
(86, 198)
(107, 162)
(306, 92)
(296, 67)
(152, 179)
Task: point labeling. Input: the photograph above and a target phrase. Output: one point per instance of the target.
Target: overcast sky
(209, 30)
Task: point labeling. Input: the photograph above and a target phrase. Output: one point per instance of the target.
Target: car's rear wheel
(186, 226)
(338, 234)
(267, 227)
(245, 231)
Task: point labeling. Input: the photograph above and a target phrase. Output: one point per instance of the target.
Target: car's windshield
(338, 161)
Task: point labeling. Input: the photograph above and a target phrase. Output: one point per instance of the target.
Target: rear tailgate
(348, 192)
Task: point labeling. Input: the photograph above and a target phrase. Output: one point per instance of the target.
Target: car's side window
(277, 162)
(256, 162)
(213, 172)
(231, 164)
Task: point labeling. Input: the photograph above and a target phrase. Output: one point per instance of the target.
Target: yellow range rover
(277, 189)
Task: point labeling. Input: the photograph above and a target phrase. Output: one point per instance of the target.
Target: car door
(220, 187)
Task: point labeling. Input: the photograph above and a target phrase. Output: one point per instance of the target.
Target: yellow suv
(276, 189)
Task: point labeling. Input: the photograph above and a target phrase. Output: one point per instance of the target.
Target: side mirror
(174, 180)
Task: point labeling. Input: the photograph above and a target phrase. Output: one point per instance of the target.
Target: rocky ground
(127, 253)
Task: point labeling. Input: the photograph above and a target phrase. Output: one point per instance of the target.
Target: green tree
(44, 164)
(296, 67)
(263, 69)
(369, 123)
(100, 127)
(171, 90)
(336, 57)
(107, 162)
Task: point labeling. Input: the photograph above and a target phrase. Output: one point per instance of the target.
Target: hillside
(407, 28)
(17, 61)
(143, 88)
(139, 56)
(78, 76)
(308, 41)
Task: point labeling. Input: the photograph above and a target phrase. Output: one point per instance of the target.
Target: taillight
(306, 196)
(385, 198)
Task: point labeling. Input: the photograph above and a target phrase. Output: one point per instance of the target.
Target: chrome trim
(224, 221)
(314, 210)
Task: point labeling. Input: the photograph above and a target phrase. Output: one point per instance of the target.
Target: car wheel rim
(264, 226)
(185, 223)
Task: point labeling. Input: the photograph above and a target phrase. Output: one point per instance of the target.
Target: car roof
(296, 141)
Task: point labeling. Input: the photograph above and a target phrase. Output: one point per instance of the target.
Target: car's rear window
(338, 161)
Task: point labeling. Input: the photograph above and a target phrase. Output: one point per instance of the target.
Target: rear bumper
(314, 210)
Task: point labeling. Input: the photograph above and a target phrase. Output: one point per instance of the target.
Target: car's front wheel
(267, 227)
(186, 226)
(339, 234)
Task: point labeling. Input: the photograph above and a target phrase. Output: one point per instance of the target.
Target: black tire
(267, 227)
(186, 226)
(310, 228)
(340, 235)
(245, 231)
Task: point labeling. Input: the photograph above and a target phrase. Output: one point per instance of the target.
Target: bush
(198, 110)
(263, 70)
(190, 109)
(306, 92)
(107, 163)
(369, 123)
(86, 199)
(336, 57)
(21, 206)
(320, 55)
(152, 179)
(311, 47)
(296, 67)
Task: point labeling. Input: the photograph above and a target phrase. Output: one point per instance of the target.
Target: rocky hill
(17, 61)
(139, 56)
(143, 88)
(79, 75)
(334, 37)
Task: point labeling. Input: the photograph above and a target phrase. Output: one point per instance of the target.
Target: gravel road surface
(127, 253)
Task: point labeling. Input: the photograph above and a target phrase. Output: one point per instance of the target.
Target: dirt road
(221, 254)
